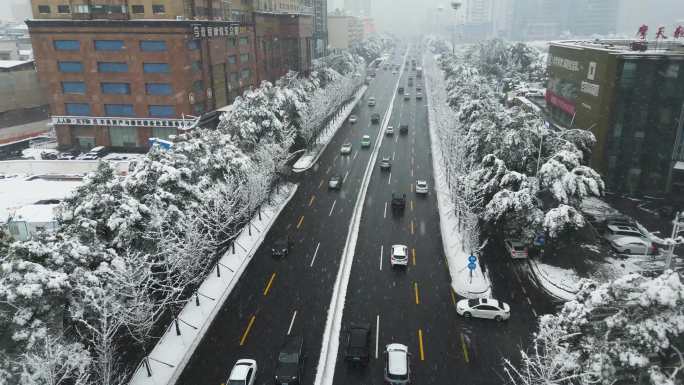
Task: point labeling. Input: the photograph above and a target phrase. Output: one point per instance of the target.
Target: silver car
(631, 245)
(346, 149)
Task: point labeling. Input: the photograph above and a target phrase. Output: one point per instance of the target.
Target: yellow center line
(415, 291)
(411, 204)
(414, 256)
(246, 333)
(465, 349)
(301, 219)
(420, 344)
(453, 297)
(268, 285)
(412, 227)
(311, 201)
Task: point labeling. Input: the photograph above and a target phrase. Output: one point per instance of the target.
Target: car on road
(94, 154)
(375, 118)
(421, 187)
(335, 182)
(407, 96)
(389, 131)
(631, 245)
(290, 362)
(365, 141)
(516, 249)
(403, 129)
(281, 246)
(346, 149)
(394, 72)
(419, 89)
(68, 155)
(357, 344)
(385, 164)
(399, 256)
(398, 201)
(419, 96)
(410, 82)
(484, 308)
(397, 364)
(352, 119)
(48, 155)
(400, 90)
(244, 372)
(371, 101)
(614, 231)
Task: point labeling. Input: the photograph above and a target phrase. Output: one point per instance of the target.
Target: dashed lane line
(381, 252)
(377, 335)
(301, 220)
(345, 177)
(315, 254)
(420, 344)
(413, 252)
(311, 201)
(528, 300)
(320, 184)
(332, 208)
(384, 215)
(269, 284)
(246, 332)
(465, 349)
(389, 178)
(416, 293)
(289, 330)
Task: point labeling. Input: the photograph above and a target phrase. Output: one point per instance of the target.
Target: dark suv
(358, 344)
(290, 362)
(403, 129)
(398, 201)
(400, 90)
(281, 246)
(375, 118)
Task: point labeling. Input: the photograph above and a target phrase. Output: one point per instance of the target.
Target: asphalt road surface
(291, 295)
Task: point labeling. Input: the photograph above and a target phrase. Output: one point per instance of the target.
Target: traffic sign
(472, 259)
(472, 266)
(539, 240)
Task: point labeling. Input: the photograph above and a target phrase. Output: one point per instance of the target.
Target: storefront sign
(122, 122)
(570, 65)
(209, 30)
(589, 88)
(564, 104)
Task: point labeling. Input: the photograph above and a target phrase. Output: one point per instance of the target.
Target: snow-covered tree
(562, 218)
(52, 361)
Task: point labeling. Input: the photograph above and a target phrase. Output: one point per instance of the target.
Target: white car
(397, 364)
(243, 373)
(352, 119)
(631, 245)
(371, 101)
(407, 96)
(516, 249)
(389, 131)
(421, 187)
(399, 255)
(483, 308)
(346, 149)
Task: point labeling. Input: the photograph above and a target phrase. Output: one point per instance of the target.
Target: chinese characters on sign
(122, 122)
(589, 88)
(570, 65)
(208, 31)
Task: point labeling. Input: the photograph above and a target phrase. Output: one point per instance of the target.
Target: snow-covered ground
(17, 191)
(463, 282)
(172, 352)
(310, 157)
(559, 282)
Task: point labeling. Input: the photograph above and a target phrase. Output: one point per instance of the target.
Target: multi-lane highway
(415, 306)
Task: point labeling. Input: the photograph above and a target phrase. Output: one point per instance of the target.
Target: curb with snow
(310, 157)
(172, 352)
(463, 282)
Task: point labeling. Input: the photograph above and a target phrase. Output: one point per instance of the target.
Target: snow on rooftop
(18, 191)
(7, 64)
(35, 213)
(624, 47)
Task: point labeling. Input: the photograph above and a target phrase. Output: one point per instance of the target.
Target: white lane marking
(332, 208)
(377, 335)
(528, 300)
(357, 153)
(328, 170)
(384, 215)
(389, 179)
(289, 330)
(315, 254)
(345, 177)
(535, 313)
(523, 290)
(393, 153)
(382, 249)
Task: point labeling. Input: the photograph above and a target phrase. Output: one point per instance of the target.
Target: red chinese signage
(564, 104)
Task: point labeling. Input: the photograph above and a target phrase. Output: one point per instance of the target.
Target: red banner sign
(564, 104)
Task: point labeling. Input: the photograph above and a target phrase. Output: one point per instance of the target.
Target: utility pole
(456, 6)
(676, 150)
(676, 223)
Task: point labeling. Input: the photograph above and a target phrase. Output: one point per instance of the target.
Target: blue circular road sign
(472, 259)
(472, 266)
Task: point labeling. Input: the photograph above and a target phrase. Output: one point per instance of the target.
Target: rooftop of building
(8, 65)
(637, 48)
(17, 191)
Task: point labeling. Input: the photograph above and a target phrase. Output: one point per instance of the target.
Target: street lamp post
(456, 6)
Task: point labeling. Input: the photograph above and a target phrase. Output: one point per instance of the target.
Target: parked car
(398, 201)
(421, 187)
(346, 149)
(397, 364)
(410, 82)
(403, 129)
(407, 96)
(45, 155)
(419, 96)
(419, 89)
(244, 372)
(281, 246)
(365, 141)
(484, 308)
(399, 256)
(516, 249)
(335, 182)
(352, 119)
(614, 231)
(385, 164)
(375, 118)
(358, 344)
(631, 245)
(95, 153)
(290, 362)
(389, 131)
(68, 155)
(400, 90)
(394, 72)
(371, 101)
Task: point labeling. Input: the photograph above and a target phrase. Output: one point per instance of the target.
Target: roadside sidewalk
(172, 352)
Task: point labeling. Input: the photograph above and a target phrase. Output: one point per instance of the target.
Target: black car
(281, 247)
(400, 90)
(375, 118)
(385, 164)
(290, 362)
(403, 129)
(398, 201)
(358, 344)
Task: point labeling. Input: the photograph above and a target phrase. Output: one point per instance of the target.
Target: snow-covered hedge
(497, 164)
(373, 47)
(130, 250)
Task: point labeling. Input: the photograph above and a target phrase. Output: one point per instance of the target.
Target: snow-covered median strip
(559, 282)
(463, 282)
(310, 157)
(172, 352)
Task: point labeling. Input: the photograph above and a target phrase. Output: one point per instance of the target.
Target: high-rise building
(590, 17)
(344, 31)
(320, 33)
(358, 7)
(632, 98)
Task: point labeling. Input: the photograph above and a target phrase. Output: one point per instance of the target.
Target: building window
(70, 66)
(123, 136)
(156, 68)
(112, 67)
(244, 57)
(44, 9)
(158, 8)
(162, 111)
(73, 88)
(119, 110)
(234, 77)
(82, 8)
(158, 89)
(244, 40)
(233, 41)
(197, 86)
(163, 132)
(109, 45)
(77, 109)
(193, 45)
(245, 74)
(153, 45)
(137, 9)
(116, 88)
(99, 8)
(63, 9)
(196, 66)
(67, 45)
(232, 59)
